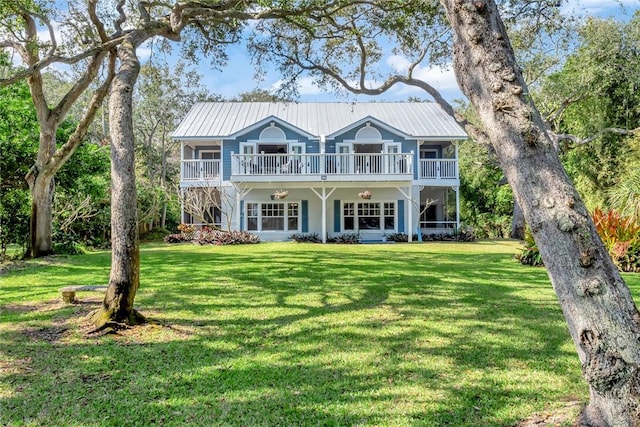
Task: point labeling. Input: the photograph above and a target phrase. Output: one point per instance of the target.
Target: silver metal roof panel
(420, 120)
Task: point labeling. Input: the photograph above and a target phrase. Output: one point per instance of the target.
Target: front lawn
(286, 334)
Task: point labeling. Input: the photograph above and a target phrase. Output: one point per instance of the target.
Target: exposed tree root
(108, 321)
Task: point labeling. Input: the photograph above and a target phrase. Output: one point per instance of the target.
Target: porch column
(456, 189)
(182, 191)
(181, 160)
(410, 204)
(324, 215)
(239, 214)
(323, 197)
(410, 219)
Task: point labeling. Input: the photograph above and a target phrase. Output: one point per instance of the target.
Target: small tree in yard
(202, 202)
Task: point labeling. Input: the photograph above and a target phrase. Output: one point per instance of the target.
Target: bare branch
(580, 141)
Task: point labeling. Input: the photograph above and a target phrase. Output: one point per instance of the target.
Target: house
(276, 169)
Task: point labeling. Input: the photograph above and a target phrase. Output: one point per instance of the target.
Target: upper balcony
(321, 167)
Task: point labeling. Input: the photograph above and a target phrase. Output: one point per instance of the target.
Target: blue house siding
(233, 145)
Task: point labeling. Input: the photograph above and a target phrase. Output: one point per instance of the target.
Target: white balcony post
(234, 167)
(456, 164)
(323, 157)
(410, 164)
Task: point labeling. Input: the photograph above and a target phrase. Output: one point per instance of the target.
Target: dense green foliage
(486, 202)
(595, 95)
(82, 200)
(293, 334)
(18, 145)
(81, 214)
(529, 254)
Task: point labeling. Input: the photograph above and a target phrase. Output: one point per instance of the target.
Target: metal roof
(419, 120)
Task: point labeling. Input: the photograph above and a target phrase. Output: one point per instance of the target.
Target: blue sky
(238, 75)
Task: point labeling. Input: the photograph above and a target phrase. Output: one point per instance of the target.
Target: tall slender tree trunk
(602, 318)
(124, 280)
(41, 186)
(518, 222)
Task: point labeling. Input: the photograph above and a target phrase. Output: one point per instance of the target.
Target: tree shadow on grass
(417, 346)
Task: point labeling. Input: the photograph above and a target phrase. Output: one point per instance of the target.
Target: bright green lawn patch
(293, 334)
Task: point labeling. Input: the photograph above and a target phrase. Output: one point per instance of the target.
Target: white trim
(266, 120)
(285, 218)
(253, 145)
(377, 123)
(356, 228)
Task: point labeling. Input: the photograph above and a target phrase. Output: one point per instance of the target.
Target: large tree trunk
(602, 318)
(117, 307)
(40, 225)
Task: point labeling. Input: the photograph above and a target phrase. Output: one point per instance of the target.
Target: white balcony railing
(438, 169)
(192, 170)
(321, 164)
(292, 165)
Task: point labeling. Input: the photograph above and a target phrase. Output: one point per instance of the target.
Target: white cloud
(306, 86)
(443, 79)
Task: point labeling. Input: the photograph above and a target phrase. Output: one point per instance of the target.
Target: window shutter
(401, 216)
(241, 226)
(336, 216)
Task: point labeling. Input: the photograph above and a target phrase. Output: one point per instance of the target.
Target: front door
(296, 162)
(393, 159)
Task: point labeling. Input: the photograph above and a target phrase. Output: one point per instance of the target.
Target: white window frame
(259, 218)
(356, 221)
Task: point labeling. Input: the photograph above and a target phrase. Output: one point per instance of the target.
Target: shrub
(178, 238)
(621, 237)
(398, 237)
(465, 234)
(210, 236)
(530, 254)
(348, 238)
(207, 236)
(308, 238)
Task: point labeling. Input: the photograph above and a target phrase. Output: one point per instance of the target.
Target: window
(213, 215)
(349, 216)
(273, 216)
(389, 216)
(209, 155)
(369, 216)
(252, 216)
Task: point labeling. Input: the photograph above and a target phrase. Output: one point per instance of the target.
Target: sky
(238, 76)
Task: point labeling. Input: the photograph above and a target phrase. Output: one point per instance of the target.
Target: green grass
(293, 334)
